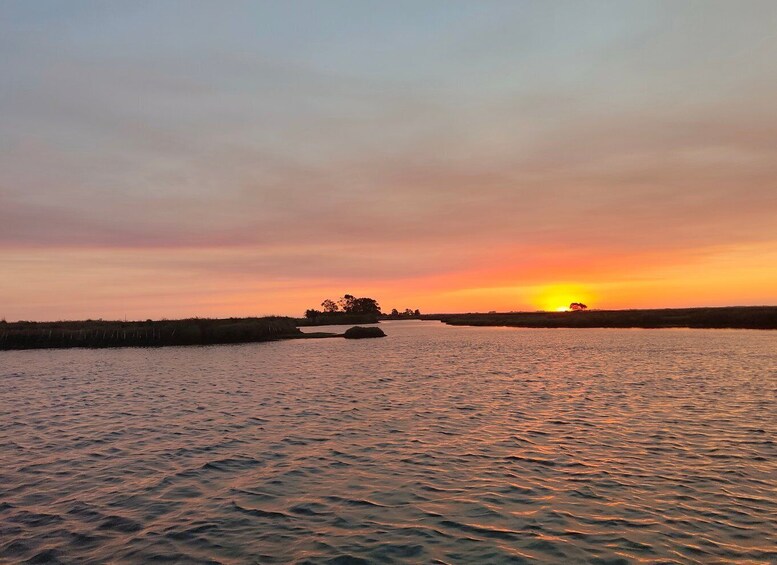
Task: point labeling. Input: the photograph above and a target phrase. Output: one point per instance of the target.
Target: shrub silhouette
(358, 332)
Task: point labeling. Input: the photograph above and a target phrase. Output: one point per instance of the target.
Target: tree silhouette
(406, 313)
(346, 303)
(364, 306)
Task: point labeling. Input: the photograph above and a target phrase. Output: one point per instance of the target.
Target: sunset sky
(170, 159)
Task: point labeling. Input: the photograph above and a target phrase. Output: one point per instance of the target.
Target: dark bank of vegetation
(734, 317)
(358, 332)
(347, 310)
(194, 331)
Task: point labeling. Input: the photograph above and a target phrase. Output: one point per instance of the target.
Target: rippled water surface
(435, 444)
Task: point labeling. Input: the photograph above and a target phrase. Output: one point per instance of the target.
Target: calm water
(433, 445)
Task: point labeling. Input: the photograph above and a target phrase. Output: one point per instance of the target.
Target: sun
(558, 297)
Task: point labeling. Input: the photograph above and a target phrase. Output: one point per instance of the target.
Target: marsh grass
(100, 333)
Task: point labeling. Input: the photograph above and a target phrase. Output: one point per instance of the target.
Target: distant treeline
(735, 317)
(100, 333)
(407, 313)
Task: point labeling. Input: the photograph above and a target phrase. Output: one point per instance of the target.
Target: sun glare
(557, 298)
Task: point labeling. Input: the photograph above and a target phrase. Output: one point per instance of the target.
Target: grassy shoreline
(105, 334)
(731, 317)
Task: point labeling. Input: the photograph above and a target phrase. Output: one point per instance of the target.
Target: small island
(358, 332)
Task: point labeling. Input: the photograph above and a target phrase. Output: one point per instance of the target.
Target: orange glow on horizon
(140, 284)
(558, 297)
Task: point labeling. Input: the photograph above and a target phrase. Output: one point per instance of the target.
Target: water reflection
(455, 445)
